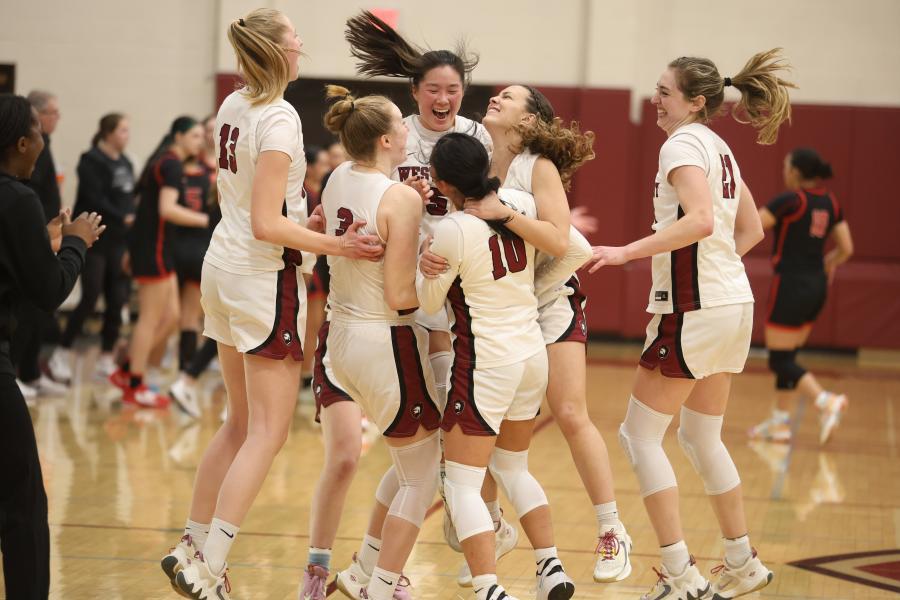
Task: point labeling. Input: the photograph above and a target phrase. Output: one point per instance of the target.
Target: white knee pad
(641, 437)
(387, 487)
(462, 486)
(440, 365)
(510, 471)
(700, 436)
(416, 466)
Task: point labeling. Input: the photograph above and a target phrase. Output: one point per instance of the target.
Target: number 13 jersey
(243, 132)
(709, 272)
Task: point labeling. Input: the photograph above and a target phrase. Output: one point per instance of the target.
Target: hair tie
(241, 23)
(350, 98)
(726, 82)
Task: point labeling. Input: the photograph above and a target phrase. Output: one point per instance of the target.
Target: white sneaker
(734, 582)
(198, 582)
(505, 539)
(184, 394)
(496, 593)
(47, 387)
(28, 392)
(352, 582)
(178, 558)
(60, 364)
(613, 556)
(689, 585)
(831, 415)
(106, 365)
(552, 581)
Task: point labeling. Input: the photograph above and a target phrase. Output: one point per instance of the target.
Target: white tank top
(357, 286)
(710, 272)
(243, 132)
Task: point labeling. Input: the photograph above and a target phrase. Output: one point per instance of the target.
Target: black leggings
(24, 533)
(202, 357)
(102, 272)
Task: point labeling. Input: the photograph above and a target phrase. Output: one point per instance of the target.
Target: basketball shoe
(613, 556)
(734, 582)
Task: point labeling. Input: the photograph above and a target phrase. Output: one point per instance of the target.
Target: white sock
(367, 557)
(218, 544)
(782, 416)
(675, 557)
(198, 532)
(382, 584)
(542, 554)
(494, 509)
(822, 399)
(737, 551)
(607, 516)
(482, 585)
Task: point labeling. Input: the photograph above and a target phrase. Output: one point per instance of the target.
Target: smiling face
(396, 137)
(672, 108)
(508, 109)
(439, 95)
(292, 46)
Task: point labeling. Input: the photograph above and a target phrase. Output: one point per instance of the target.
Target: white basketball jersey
(419, 145)
(490, 289)
(710, 272)
(243, 132)
(357, 286)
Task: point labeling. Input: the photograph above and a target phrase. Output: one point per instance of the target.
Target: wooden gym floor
(826, 520)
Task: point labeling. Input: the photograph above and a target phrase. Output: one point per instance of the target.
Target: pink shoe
(315, 578)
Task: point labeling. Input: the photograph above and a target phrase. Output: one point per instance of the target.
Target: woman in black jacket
(105, 186)
(30, 271)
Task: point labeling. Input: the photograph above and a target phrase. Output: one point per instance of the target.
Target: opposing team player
(499, 372)
(534, 152)
(253, 294)
(705, 220)
(804, 219)
(372, 308)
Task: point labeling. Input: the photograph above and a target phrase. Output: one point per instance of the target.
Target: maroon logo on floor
(879, 569)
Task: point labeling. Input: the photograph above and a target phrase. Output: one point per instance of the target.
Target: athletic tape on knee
(462, 487)
(440, 365)
(641, 436)
(787, 372)
(387, 487)
(700, 436)
(415, 465)
(510, 471)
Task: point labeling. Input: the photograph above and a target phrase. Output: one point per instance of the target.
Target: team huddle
(454, 310)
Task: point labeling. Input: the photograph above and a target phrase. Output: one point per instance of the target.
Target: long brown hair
(357, 121)
(765, 103)
(565, 146)
(256, 40)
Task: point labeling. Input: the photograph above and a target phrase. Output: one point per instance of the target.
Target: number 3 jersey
(709, 272)
(419, 145)
(357, 286)
(489, 286)
(243, 132)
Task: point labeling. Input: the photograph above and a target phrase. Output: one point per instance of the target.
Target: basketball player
(498, 349)
(535, 153)
(251, 280)
(705, 220)
(151, 252)
(803, 219)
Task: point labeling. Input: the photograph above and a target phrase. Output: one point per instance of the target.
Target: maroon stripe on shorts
(665, 351)
(577, 329)
(284, 339)
(324, 390)
(685, 276)
(416, 405)
(461, 396)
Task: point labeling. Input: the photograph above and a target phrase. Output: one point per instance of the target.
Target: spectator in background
(105, 186)
(30, 271)
(34, 324)
(336, 154)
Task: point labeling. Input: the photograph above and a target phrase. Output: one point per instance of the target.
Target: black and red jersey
(804, 219)
(150, 238)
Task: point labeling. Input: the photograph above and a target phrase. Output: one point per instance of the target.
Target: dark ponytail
(182, 124)
(108, 124)
(810, 164)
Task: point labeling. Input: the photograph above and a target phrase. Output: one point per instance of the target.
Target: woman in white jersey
(253, 295)
(536, 153)
(499, 374)
(372, 308)
(705, 221)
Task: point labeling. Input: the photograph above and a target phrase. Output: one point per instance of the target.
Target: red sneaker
(144, 397)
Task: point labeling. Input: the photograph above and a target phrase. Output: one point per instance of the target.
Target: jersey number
(227, 159)
(728, 184)
(437, 204)
(346, 218)
(514, 252)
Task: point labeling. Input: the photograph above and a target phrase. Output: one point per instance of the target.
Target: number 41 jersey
(709, 272)
(489, 286)
(243, 132)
